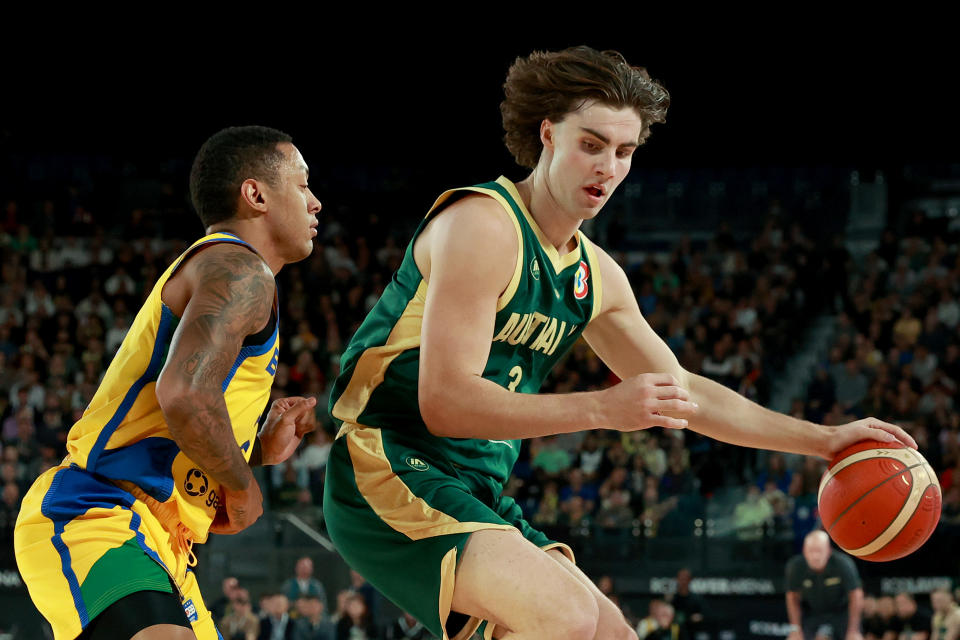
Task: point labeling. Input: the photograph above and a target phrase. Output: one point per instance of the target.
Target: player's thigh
(509, 581)
(165, 632)
(612, 623)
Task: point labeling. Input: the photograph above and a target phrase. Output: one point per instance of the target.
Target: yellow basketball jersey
(123, 436)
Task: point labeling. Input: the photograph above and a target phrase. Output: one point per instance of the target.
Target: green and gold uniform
(400, 502)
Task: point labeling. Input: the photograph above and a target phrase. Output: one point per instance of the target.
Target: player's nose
(606, 165)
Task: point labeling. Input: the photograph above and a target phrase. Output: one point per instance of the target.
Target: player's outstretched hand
(288, 421)
(845, 435)
(648, 400)
(239, 509)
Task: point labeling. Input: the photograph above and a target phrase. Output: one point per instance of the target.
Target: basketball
(879, 501)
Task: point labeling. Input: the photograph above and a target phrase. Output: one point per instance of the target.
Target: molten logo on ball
(879, 501)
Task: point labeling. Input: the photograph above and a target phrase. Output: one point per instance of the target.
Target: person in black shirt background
(824, 593)
(687, 606)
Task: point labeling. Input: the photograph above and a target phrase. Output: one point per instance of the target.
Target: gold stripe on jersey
(594, 278)
(372, 364)
(392, 500)
(559, 262)
(511, 289)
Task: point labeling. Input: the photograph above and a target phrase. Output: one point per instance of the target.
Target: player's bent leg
(611, 623)
(144, 615)
(507, 580)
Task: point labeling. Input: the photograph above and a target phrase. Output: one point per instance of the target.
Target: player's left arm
(626, 343)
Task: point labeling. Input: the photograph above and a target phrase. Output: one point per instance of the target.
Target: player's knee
(625, 632)
(581, 620)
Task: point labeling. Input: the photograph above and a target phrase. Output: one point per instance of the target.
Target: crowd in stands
(299, 610)
(731, 309)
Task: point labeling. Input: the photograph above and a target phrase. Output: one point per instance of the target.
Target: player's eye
(590, 146)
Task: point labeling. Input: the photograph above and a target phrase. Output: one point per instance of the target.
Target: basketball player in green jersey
(440, 381)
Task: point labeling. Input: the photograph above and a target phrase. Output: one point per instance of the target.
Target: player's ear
(252, 195)
(546, 134)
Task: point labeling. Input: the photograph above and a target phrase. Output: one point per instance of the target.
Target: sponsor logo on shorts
(191, 610)
(195, 484)
(416, 463)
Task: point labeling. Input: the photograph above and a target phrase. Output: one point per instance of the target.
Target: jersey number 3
(515, 375)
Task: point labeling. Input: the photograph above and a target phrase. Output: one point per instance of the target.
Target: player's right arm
(226, 293)
(468, 259)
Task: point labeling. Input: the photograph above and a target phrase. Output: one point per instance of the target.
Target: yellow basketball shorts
(82, 543)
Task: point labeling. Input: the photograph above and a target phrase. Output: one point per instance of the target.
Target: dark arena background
(791, 231)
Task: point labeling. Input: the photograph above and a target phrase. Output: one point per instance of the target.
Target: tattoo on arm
(232, 298)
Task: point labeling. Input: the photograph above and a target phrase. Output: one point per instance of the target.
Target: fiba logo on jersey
(195, 483)
(535, 268)
(580, 288)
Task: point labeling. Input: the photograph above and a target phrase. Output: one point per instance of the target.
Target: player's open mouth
(594, 192)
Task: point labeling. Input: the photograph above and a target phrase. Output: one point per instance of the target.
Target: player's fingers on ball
(897, 431)
(876, 433)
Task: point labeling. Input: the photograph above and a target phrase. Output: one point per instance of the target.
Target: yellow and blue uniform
(121, 512)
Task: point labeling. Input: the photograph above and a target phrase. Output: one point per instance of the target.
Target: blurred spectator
(874, 627)
(548, 511)
(945, 624)
(229, 588)
(239, 623)
(313, 623)
(751, 515)
(650, 623)
(303, 583)
(276, 625)
(667, 626)
(775, 472)
(548, 458)
(688, 607)
(356, 623)
(615, 500)
(911, 622)
(406, 627)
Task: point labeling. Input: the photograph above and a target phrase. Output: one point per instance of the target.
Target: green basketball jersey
(540, 315)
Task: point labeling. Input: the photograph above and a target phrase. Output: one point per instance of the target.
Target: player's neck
(254, 236)
(559, 227)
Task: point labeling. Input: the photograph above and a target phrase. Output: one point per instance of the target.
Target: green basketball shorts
(401, 518)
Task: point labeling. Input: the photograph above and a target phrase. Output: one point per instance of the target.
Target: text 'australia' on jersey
(547, 304)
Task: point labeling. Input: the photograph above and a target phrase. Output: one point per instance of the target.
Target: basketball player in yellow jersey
(575, 118)
(162, 455)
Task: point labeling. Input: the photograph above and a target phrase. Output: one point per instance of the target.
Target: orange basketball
(879, 500)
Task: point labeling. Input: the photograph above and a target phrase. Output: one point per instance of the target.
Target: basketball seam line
(855, 502)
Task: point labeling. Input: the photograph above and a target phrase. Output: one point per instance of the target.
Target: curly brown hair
(551, 84)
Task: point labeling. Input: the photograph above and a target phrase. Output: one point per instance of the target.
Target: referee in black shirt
(824, 593)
